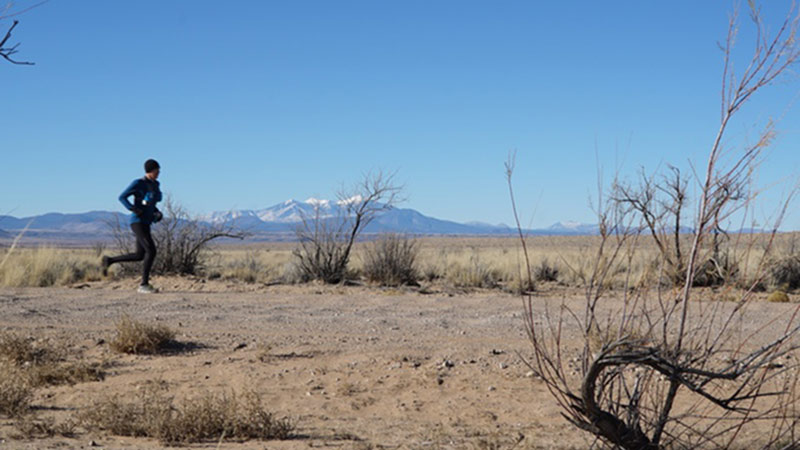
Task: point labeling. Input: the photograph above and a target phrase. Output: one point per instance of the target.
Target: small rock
(446, 364)
(93, 444)
(240, 346)
(530, 374)
(100, 341)
(503, 366)
(492, 388)
(496, 352)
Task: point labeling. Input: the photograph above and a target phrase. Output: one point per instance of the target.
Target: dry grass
(778, 297)
(47, 266)
(42, 362)
(211, 417)
(136, 337)
(446, 262)
(16, 392)
(31, 427)
(20, 350)
(391, 260)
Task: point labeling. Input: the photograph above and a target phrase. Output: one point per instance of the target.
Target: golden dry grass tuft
(137, 337)
(778, 297)
(211, 417)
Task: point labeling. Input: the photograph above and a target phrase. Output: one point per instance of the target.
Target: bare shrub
(545, 271)
(182, 241)
(717, 271)
(20, 350)
(391, 260)
(665, 370)
(784, 273)
(141, 338)
(66, 373)
(43, 362)
(32, 427)
(211, 417)
(431, 271)
(325, 243)
(16, 391)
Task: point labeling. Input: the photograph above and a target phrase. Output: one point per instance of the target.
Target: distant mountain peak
(317, 202)
(568, 224)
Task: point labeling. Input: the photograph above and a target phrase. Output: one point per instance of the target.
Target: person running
(146, 194)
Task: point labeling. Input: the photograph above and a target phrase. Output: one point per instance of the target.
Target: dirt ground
(353, 367)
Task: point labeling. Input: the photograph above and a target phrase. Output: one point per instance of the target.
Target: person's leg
(138, 255)
(149, 253)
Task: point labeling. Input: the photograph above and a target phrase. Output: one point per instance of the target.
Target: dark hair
(151, 165)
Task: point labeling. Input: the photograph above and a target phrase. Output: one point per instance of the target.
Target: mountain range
(276, 222)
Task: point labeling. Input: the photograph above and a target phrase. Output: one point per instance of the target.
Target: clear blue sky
(247, 104)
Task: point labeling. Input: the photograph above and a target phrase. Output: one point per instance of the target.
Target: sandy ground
(353, 367)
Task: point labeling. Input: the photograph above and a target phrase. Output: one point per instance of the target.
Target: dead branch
(6, 52)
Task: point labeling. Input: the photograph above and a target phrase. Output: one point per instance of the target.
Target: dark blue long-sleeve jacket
(146, 193)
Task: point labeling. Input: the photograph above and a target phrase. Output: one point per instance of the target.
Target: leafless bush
(545, 271)
(660, 203)
(31, 427)
(182, 240)
(717, 270)
(391, 260)
(211, 417)
(665, 370)
(16, 392)
(784, 273)
(43, 362)
(325, 243)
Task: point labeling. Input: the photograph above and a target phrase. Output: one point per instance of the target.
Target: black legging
(145, 250)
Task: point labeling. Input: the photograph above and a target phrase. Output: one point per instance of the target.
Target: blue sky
(247, 104)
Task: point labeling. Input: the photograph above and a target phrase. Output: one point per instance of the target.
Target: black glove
(137, 210)
(157, 216)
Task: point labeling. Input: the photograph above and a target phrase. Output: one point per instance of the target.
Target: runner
(146, 194)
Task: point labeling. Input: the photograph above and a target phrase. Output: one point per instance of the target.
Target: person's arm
(123, 198)
(158, 192)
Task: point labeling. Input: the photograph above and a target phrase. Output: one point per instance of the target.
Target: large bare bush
(666, 370)
(326, 243)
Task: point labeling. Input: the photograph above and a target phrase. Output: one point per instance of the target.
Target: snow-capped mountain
(572, 227)
(290, 211)
(286, 215)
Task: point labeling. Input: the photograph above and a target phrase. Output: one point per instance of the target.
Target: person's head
(152, 169)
